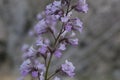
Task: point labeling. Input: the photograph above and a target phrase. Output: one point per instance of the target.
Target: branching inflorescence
(57, 13)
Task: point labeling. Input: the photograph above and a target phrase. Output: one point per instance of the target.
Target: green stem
(47, 69)
(52, 75)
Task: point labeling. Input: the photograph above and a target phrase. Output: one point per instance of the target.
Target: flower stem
(53, 75)
(47, 69)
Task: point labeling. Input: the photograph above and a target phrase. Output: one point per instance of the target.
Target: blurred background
(96, 58)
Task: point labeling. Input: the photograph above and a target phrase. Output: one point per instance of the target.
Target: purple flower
(43, 49)
(53, 7)
(57, 3)
(68, 27)
(41, 76)
(39, 66)
(42, 42)
(78, 24)
(24, 72)
(35, 74)
(68, 68)
(51, 21)
(82, 6)
(30, 53)
(57, 78)
(40, 27)
(48, 22)
(73, 42)
(74, 24)
(25, 68)
(62, 46)
(64, 19)
(39, 41)
(58, 53)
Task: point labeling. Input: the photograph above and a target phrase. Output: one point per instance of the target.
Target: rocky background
(98, 55)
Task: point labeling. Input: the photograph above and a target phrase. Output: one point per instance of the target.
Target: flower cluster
(58, 12)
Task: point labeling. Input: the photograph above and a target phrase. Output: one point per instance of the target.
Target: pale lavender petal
(43, 50)
(74, 42)
(68, 27)
(41, 67)
(41, 76)
(64, 19)
(24, 72)
(82, 6)
(57, 3)
(62, 47)
(35, 74)
(58, 54)
(68, 68)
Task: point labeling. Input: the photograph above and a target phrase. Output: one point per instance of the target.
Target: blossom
(74, 24)
(39, 66)
(25, 67)
(39, 41)
(78, 24)
(24, 72)
(48, 22)
(51, 21)
(40, 27)
(41, 76)
(64, 19)
(62, 47)
(68, 68)
(53, 7)
(58, 53)
(30, 53)
(42, 42)
(82, 6)
(68, 27)
(57, 3)
(73, 41)
(43, 49)
(35, 74)
(56, 78)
